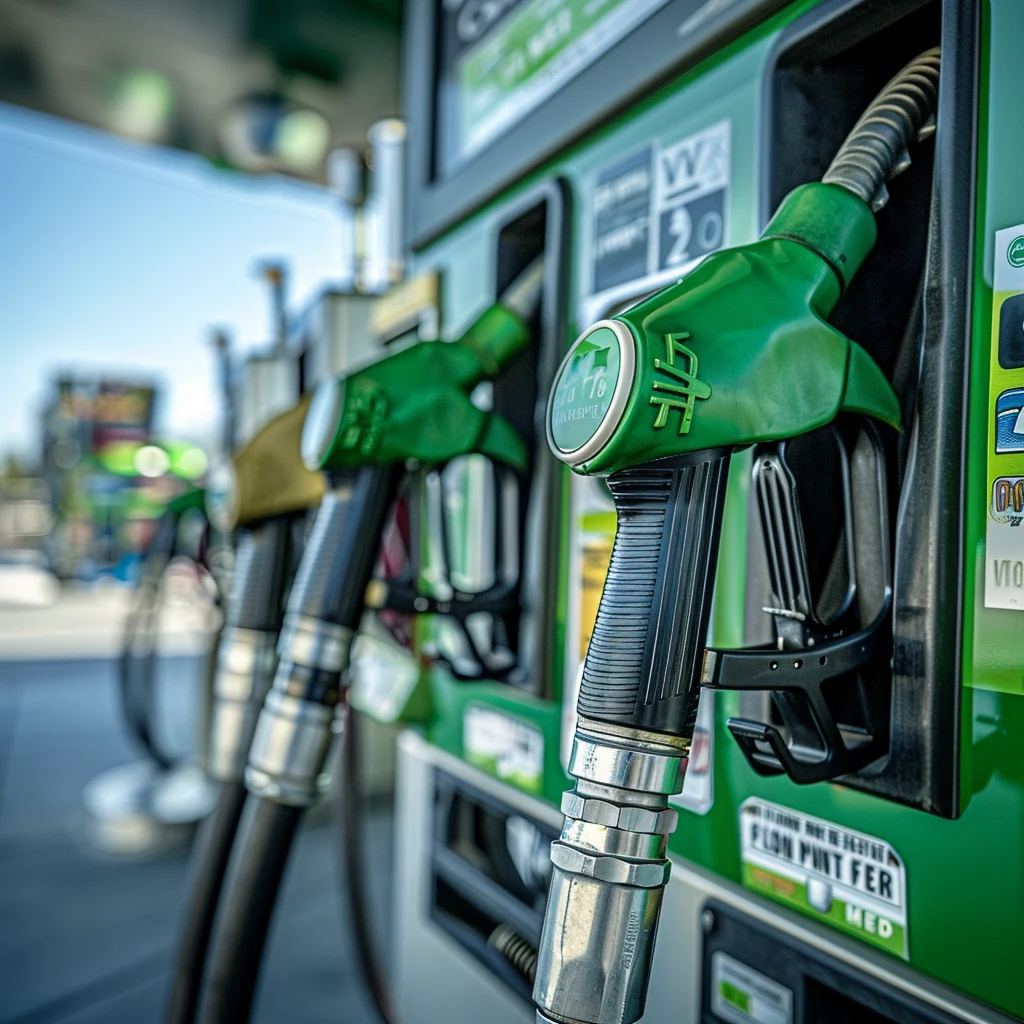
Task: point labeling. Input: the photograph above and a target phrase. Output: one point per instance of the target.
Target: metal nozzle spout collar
(245, 669)
(609, 874)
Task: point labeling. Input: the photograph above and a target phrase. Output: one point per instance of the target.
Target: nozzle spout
(523, 295)
(502, 331)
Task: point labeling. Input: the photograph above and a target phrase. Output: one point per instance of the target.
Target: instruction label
(692, 179)
(741, 995)
(852, 881)
(661, 208)
(1004, 534)
(503, 746)
(622, 220)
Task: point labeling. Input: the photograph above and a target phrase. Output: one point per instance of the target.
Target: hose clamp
(633, 819)
(638, 770)
(289, 749)
(618, 842)
(246, 659)
(316, 643)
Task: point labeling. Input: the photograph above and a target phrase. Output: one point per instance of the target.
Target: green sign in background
(536, 50)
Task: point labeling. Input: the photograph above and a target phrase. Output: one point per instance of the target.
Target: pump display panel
(494, 87)
(499, 61)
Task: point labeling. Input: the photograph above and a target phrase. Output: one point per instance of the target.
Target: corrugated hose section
(878, 146)
(255, 601)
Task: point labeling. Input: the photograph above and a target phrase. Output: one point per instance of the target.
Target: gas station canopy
(259, 85)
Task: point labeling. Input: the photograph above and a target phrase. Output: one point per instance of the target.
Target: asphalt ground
(87, 937)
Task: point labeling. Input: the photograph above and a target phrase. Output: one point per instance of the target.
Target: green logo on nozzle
(682, 389)
(584, 389)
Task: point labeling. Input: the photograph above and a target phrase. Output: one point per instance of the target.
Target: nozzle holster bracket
(827, 674)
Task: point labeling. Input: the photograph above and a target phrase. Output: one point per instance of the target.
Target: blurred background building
(119, 251)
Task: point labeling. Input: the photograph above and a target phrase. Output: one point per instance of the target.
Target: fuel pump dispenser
(740, 352)
(264, 502)
(360, 429)
(834, 612)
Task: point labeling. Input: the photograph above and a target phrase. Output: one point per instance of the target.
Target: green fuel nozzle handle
(416, 403)
(738, 352)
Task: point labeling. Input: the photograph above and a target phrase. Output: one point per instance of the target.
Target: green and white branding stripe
(536, 50)
(503, 746)
(852, 881)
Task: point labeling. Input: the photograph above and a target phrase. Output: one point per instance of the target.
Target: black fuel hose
(350, 807)
(137, 665)
(242, 931)
(215, 841)
(324, 609)
(254, 618)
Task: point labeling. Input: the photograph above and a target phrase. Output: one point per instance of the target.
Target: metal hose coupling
(246, 659)
(609, 874)
(299, 719)
(878, 146)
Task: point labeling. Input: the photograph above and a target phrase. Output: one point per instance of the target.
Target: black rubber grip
(644, 662)
(342, 548)
(260, 575)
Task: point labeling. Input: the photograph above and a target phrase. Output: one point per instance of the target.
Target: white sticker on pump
(1004, 495)
(506, 747)
(741, 995)
(849, 880)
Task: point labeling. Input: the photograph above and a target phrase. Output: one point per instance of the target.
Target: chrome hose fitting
(296, 726)
(878, 147)
(246, 659)
(609, 874)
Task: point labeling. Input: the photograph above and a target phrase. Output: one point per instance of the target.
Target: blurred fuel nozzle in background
(361, 429)
(263, 496)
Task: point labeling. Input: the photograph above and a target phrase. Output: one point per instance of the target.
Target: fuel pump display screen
(500, 59)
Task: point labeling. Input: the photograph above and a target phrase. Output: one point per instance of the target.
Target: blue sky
(119, 257)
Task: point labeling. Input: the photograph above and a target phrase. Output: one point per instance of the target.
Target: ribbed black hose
(216, 839)
(877, 147)
(251, 898)
(356, 891)
(260, 575)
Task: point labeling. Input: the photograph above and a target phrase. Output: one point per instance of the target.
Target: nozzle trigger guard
(827, 672)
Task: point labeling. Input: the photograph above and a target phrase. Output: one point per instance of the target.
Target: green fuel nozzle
(416, 403)
(657, 398)
(739, 351)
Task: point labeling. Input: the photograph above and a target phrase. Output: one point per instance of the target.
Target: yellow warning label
(596, 539)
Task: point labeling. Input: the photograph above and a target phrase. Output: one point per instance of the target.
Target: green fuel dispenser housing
(756, 103)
